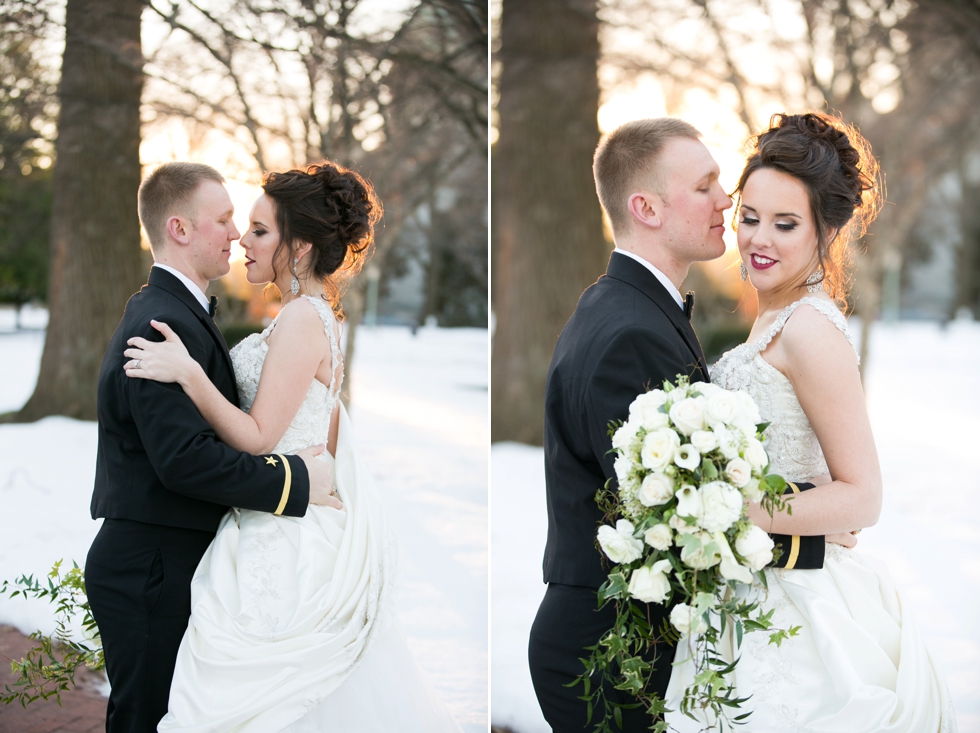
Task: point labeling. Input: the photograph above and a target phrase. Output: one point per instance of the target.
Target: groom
(658, 184)
(163, 480)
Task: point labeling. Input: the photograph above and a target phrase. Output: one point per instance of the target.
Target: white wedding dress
(859, 663)
(291, 625)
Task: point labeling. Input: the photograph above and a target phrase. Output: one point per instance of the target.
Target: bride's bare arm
(297, 347)
(822, 366)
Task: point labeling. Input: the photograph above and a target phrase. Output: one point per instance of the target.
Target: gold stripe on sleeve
(794, 546)
(289, 481)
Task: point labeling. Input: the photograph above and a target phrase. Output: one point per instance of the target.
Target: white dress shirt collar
(191, 285)
(664, 280)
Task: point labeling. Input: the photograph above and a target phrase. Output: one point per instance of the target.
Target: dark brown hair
(629, 153)
(834, 162)
(332, 208)
(168, 191)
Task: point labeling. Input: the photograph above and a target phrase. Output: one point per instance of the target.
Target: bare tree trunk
(968, 255)
(353, 312)
(547, 219)
(95, 251)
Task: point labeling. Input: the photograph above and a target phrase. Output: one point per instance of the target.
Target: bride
(859, 663)
(292, 626)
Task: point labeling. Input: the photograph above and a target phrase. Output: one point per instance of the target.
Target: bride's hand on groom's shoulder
(321, 478)
(161, 361)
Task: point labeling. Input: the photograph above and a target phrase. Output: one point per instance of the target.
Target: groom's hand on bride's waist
(321, 478)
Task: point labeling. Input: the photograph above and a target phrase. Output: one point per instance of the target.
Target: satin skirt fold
(858, 665)
(285, 610)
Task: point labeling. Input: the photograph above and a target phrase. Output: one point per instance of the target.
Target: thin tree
(547, 222)
(95, 250)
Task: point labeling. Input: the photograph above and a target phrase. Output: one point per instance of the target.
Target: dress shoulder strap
(330, 327)
(818, 304)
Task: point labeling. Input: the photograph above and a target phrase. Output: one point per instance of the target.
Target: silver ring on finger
(136, 365)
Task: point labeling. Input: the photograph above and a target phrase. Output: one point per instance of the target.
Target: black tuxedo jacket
(627, 335)
(159, 461)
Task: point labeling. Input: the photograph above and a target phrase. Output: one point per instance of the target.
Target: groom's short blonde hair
(627, 157)
(168, 191)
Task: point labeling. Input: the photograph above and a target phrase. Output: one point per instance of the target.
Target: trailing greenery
(50, 666)
(675, 526)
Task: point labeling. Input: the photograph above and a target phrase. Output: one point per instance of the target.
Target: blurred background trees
(396, 89)
(906, 73)
(27, 125)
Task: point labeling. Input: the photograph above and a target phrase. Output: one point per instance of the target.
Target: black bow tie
(213, 306)
(689, 304)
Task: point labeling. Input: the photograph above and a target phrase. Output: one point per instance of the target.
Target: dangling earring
(294, 285)
(742, 272)
(814, 283)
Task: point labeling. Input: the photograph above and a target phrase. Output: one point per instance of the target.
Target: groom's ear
(178, 228)
(645, 209)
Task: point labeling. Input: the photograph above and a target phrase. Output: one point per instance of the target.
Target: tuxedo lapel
(636, 275)
(164, 280)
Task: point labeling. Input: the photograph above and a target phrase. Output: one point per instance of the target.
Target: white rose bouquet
(688, 458)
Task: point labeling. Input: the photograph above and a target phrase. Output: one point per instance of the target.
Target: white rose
(654, 398)
(677, 523)
(686, 621)
(618, 542)
(679, 392)
(689, 502)
(702, 554)
(755, 546)
(755, 454)
(645, 410)
(688, 414)
(721, 408)
(622, 466)
(738, 472)
(706, 389)
(654, 419)
(650, 584)
(748, 408)
(728, 442)
(704, 441)
(656, 489)
(721, 506)
(752, 491)
(658, 448)
(729, 567)
(687, 457)
(658, 536)
(623, 438)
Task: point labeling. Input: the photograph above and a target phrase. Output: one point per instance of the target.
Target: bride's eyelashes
(258, 232)
(781, 226)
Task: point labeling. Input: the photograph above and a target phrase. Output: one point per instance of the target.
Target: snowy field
(923, 388)
(419, 407)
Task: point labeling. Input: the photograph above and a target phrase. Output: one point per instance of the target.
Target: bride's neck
(775, 301)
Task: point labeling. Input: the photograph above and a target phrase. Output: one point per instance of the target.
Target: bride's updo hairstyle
(335, 210)
(834, 162)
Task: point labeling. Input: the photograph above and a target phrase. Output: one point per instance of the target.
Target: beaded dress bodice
(792, 445)
(312, 422)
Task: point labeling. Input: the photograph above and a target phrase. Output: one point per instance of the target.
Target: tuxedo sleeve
(636, 360)
(187, 456)
(799, 552)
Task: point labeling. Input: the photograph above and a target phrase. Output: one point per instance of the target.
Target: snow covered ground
(420, 413)
(923, 388)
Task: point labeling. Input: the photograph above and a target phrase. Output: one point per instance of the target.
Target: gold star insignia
(271, 461)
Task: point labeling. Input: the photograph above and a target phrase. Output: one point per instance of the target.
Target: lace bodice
(792, 446)
(312, 422)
